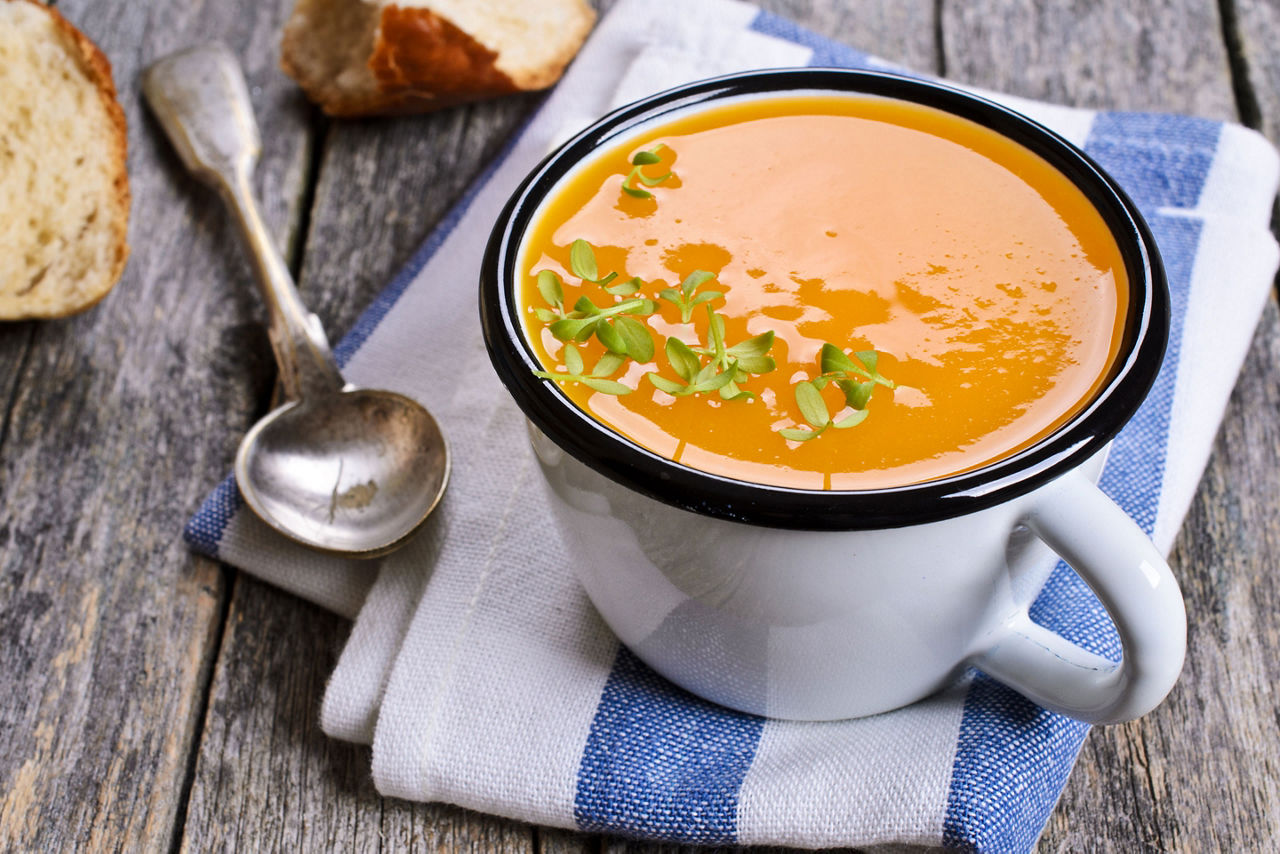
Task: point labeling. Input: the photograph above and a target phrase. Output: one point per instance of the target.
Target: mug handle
(1126, 571)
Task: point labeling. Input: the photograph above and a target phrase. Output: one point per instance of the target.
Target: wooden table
(153, 700)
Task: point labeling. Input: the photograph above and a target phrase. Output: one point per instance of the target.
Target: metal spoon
(344, 470)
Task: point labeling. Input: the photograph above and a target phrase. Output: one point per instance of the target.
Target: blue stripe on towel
(1161, 160)
(204, 531)
(662, 763)
(1012, 758)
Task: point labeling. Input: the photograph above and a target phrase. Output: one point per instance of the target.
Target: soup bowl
(822, 604)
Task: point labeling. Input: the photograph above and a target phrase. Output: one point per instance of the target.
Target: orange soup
(959, 280)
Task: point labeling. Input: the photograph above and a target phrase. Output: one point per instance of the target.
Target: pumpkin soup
(823, 292)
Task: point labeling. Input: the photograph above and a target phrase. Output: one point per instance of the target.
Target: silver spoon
(344, 470)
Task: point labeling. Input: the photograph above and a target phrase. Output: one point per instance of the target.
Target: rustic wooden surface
(153, 700)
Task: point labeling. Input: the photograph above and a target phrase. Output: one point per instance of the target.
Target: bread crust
(98, 69)
(421, 61)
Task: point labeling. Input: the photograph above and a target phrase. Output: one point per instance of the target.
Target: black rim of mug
(635, 467)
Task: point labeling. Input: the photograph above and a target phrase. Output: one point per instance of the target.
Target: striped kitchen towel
(480, 673)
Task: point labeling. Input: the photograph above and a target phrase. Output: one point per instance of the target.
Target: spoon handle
(199, 96)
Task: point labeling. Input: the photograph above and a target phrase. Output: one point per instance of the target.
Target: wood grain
(155, 701)
(1253, 28)
(1164, 55)
(115, 426)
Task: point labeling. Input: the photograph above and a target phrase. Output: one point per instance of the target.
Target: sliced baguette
(365, 57)
(64, 191)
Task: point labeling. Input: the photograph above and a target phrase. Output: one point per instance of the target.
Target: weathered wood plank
(119, 420)
(1200, 772)
(904, 32)
(1254, 30)
(1149, 55)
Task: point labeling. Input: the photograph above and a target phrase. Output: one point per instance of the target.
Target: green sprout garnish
(642, 159)
(726, 367)
(718, 366)
(688, 366)
(552, 291)
(582, 260)
(596, 379)
(857, 377)
(614, 326)
(684, 298)
(738, 360)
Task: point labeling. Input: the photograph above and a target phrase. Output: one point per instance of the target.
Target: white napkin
(483, 677)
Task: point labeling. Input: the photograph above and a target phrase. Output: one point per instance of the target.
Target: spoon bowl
(351, 473)
(344, 470)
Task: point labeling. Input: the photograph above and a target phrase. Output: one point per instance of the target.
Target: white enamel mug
(819, 605)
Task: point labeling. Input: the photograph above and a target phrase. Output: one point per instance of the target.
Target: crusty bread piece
(64, 191)
(362, 57)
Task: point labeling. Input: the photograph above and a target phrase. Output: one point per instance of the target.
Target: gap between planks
(317, 136)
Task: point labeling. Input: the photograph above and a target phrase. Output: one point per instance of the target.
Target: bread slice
(64, 191)
(362, 57)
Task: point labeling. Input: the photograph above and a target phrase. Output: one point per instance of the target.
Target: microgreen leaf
(549, 286)
(856, 379)
(705, 373)
(572, 359)
(857, 394)
(715, 331)
(812, 406)
(627, 288)
(573, 328)
(837, 365)
(651, 182)
(712, 382)
(832, 360)
(697, 277)
(683, 360)
(639, 160)
(608, 364)
(684, 299)
(642, 307)
(610, 338)
(757, 346)
(606, 386)
(582, 260)
(852, 420)
(664, 384)
(756, 364)
(797, 435)
(732, 392)
(546, 315)
(639, 343)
